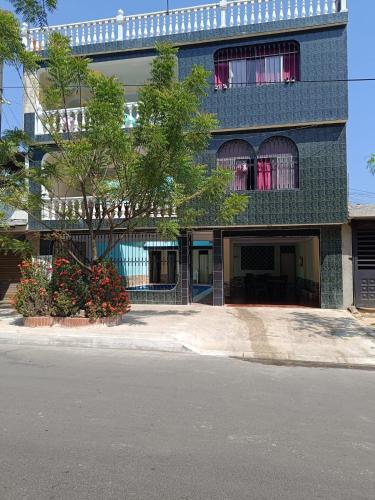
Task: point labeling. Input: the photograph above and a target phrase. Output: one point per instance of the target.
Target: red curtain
(291, 67)
(221, 74)
(264, 174)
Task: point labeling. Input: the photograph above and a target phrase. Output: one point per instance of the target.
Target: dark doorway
(172, 266)
(155, 266)
(272, 271)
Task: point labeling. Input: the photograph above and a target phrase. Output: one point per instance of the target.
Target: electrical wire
(237, 84)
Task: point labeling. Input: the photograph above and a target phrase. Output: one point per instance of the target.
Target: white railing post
(25, 35)
(120, 25)
(344, 6)
(223, 8)
(45, 203)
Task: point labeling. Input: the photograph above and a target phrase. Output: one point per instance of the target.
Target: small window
(162, 266)
(46, 247)
(257, 65)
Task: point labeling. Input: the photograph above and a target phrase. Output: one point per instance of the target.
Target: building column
(184, 243)
(331, 283)
(218, 271)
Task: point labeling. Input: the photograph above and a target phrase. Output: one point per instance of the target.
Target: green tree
(34, 11)
(371, 164)
(123, 178)
(12, 181)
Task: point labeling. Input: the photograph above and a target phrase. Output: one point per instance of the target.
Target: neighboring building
(278, 88)
(359, 257)
(16, 221)
(16, 226)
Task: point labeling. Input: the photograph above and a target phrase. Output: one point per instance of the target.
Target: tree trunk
(94, 250)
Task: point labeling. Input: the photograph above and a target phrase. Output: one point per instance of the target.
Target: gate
(148, 264)
(364, 264)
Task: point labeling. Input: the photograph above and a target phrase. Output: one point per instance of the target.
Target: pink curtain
(221, 74)
(264, 174)
(291, 66)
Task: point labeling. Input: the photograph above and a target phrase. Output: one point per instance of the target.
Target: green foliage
(66, 73)
(9, 244)
(69, 288)
(33, 293)
(34, 11)
(371, 164)
(150, 167)
(107, 296)
(12, 50)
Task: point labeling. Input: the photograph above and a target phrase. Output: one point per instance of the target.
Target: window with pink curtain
(277, 165)
(257, 64)
(221, 74)
(264, 174)
(238, 157)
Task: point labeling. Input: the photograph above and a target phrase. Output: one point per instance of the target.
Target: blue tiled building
(278, 86)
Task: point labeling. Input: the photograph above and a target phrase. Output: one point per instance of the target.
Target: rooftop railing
(206, 17)
(74, 119)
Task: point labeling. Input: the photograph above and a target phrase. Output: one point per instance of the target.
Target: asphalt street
(102, 424)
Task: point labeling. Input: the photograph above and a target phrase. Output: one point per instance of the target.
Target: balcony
(71, 208)
(74, 119)
(219, 15)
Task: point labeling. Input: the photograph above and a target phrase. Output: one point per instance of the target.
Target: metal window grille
(257, 258)
(275, 168)
(144, 260)
(257, 64)
(366, 249)
(277, 165)
(238, 156)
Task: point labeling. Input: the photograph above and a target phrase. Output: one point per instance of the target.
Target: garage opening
(273, 271)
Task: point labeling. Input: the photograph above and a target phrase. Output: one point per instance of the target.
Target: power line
(236, 84)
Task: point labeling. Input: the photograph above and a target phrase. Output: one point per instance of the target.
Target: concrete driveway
(266, 333)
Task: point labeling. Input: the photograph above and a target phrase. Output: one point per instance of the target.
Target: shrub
(106, 294)
(69, 288)
(33, 295)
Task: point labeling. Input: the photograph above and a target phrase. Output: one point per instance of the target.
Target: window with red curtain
(257, 65)
(238, 156)
(277, 165)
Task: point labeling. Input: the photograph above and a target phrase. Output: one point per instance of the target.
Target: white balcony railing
(73, 208)
(74, 119)
(222, 14)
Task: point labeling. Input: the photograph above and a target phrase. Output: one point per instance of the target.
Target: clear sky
(361, 130)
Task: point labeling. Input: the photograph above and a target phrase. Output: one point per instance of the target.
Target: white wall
(347, 265)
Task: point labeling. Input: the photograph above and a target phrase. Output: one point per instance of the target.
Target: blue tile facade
(311, 112)
(279, 104)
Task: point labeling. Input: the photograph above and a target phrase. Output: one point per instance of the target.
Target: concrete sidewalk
(299, 335)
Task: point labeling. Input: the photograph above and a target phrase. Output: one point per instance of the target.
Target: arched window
(257, 65)
(277, 165)
(239, 157)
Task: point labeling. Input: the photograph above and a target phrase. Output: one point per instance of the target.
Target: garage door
(364, 265)
(9, 274)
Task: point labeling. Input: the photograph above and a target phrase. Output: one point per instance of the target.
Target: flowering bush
(106, 293)
(32, 297)
(101, 294)
(69, 288)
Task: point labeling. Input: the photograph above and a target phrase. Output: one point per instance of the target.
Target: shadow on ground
(327, 326)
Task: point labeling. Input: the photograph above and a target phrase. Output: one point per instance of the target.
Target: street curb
(98, 342)
(306, 364)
